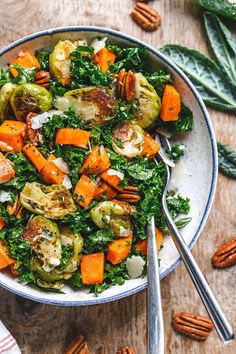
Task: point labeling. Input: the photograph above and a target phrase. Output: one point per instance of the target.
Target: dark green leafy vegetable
(134, 59)
(223, 45)
(184, 122)
(57, 89)
(25, 171)
(98, 241)
(66, 253)
(43, 58)
(177, 205)
(227, 160)
(180, 223)
(5, 77)
(25, 75)
(207, 77)
(220, 7)
(158, 80)
(176, 151)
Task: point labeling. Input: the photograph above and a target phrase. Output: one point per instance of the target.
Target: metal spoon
(155, 315)
(213, 308)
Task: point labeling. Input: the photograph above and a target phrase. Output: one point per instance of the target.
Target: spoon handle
(155, 316)
(212, 306)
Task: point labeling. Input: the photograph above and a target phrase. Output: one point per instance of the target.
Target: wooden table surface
(41, 329)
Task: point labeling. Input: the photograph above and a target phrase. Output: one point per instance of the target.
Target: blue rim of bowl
(127, 37)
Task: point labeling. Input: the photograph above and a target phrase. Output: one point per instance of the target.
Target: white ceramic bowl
(200, 160)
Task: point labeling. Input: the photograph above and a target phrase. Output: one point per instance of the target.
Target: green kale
(180, 223)
(25, 75)
(43, 58)
(115, 49)
(67, 119)
(57, 89)
(176, 151)
(98, 241)
(85, 72)
(5, 77)
(227, 160)
(158, 79)
(66, 253)
(177, 204)
(134, 59)
(25, 172)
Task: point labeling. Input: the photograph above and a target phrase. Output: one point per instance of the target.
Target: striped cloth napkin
(7, 342)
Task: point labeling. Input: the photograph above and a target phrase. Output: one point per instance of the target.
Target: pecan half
(146, 17)
(42, 78)
(126, 85)
(194, 326)
(16, 208)
(125, 350)
(129, 194)
(77, 346)
(225, 255)
(34, 135)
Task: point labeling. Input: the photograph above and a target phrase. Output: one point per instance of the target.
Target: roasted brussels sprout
(127, 139)
(114, 215)
(5, 94)
(149, 103)
(43, 236)
(30, 98)
(75, 241)
(54, 202)
(60, 61)
(95, 105)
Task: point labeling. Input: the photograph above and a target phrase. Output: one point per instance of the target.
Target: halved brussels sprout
(54, 202)
(30, 98)
(59, 61)
(95, 105)
(5, 94)
(113, 215)
(127, 139)
(75, 241)
(149, 103)
(43, 236)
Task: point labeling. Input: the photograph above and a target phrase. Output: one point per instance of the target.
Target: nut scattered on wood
(225, 255)
(146, 17)
(126, 85)
(42, 78)
(125, 350)
(194, 326)
(77, 346)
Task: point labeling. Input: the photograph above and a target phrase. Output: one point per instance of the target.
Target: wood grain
(41, 329)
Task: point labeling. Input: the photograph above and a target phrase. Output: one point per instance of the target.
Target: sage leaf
(223, 45)
(227, 160)
(220, 7)
(182, 222)
(205, 74)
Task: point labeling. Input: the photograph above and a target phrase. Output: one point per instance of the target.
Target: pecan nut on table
(146, 17)
(225, 255)
(194, 326)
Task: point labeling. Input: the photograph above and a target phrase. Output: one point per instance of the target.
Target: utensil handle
(212, 306)
(155, 315)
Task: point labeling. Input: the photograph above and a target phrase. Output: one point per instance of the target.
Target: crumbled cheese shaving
(98, 43)
(112, 172)
(107, 218)
(5, 147)
(135, 266)
(4, 197)
(54, 261)
(124, 232)
(61, 164)
(39, 120)
(65, 240)
(67, 182)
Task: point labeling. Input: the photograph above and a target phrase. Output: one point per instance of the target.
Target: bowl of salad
(80, 113)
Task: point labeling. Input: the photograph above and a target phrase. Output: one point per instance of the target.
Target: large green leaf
(220, 7)
(223, 45)
(205, 74)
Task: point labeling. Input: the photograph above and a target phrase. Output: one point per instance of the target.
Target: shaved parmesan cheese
(5, 147)
(124, 232)
(98, 43)
(135, 266)
(65, 240)
(67, 182)
(38, 121)
(112, 172)
(61, 164)
(54, 261)
(5, 197)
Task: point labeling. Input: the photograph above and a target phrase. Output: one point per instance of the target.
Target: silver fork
(213, 308)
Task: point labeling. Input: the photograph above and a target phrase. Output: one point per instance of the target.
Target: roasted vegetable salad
(78, 179)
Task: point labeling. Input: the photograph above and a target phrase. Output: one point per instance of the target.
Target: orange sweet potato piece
(85, 191)
(76, 137)
(12, 134)
(104, 57)
(52, 174)
(5, 260)
(112, 180)
(150, 147)
(24, 59)
(119, 250)
(92, 268)
(141, 245)
(35, 157)
(6, 169)
(105, 190)
(96, 162)
(171, 104)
